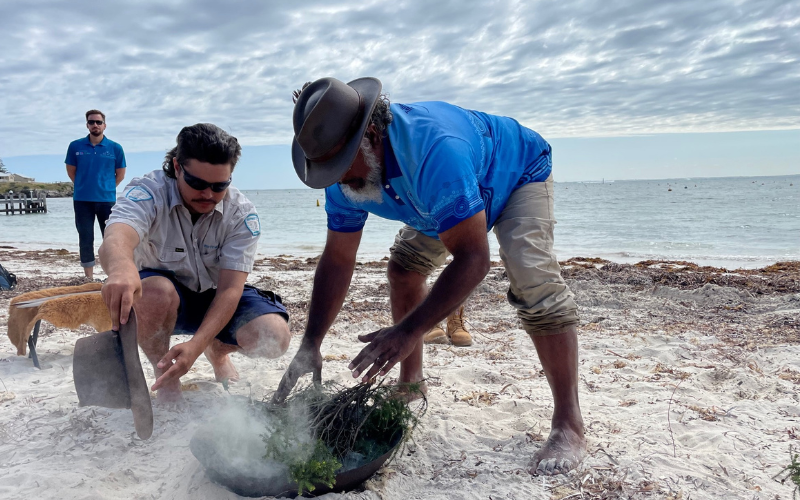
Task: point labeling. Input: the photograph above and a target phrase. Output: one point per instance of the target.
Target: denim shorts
(254, 303)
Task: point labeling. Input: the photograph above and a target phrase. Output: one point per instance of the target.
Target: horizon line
(593, 181)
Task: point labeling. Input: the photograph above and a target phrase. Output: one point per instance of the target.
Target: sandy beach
(689, 389)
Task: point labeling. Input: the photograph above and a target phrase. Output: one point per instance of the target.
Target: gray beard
(372, 190)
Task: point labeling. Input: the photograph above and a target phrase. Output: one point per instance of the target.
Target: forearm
(218, 315)
(119, 175)
(123, 287)
(331, 283)
(71, 169)
(452, 288)
(116, 251)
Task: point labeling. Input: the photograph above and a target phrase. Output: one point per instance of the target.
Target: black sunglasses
(94, 122)
(201, 185)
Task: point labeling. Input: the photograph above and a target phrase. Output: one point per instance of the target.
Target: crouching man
(178, 248)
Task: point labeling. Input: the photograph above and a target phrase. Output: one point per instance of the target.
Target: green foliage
(362, 420)
(320, 468)
(389, 416)
(3, 169)
(792, 472)
(61, 188)
(310, 462)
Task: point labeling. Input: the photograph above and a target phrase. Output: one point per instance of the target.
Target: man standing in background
(96, 166)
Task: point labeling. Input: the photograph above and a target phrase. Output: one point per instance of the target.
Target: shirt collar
(175, 196)
(392, 167)
(103, 142)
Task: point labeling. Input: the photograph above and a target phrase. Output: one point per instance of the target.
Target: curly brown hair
(203, 142)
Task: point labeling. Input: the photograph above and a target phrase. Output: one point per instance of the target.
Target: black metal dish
(250, 484)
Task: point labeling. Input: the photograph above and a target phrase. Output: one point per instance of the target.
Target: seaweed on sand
(349, 427)
(791, 471)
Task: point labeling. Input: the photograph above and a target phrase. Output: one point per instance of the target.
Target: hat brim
(107, 372)
(141, 405)
(320, 175)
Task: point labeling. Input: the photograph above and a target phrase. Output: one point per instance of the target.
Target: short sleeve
(343, 216)
(71, 158)
(120, 157)
(136, 207)
(447, 185)
(238, 251)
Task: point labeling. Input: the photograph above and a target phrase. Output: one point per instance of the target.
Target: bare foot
(224, 371)
(170, 394)
(562, 452)
(411, 391)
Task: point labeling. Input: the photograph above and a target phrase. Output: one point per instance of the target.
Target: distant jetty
(23, 203)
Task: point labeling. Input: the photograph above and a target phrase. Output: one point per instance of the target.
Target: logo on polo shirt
(138, 194)
(252, 223)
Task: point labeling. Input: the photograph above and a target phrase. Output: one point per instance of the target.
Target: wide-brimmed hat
(108, 373)
(329, 120)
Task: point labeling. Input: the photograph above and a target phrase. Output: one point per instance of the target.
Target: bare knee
(403, 279)
(266, 336)
(159, 302)
(158, 293)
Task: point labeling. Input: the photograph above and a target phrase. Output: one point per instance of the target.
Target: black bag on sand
(7, 280)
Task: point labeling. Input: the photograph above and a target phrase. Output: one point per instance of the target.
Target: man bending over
(450, 174)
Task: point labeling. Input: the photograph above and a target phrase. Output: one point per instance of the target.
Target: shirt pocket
(172, 258)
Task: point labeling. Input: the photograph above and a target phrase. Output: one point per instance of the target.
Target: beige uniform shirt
(226, 238)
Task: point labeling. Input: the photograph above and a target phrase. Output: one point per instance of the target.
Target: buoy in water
(317, 202)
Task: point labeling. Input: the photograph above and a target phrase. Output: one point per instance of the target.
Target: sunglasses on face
(199, 184)
(94, 122)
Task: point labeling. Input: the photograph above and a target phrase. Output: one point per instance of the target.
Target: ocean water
(727, 222)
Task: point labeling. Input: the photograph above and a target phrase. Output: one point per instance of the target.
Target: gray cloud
(568, 68)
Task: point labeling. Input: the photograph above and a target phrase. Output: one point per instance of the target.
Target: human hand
(386, 348)
(120, 292)
(307, 360)
(177, 362)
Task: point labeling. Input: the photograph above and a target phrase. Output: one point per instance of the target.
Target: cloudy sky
(568, 69)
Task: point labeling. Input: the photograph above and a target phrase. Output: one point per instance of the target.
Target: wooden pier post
(21, 203)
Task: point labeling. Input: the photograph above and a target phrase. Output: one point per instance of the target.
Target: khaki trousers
(524, 230)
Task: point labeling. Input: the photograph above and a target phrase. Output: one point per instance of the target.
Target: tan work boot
(436, 336)
(458, 335)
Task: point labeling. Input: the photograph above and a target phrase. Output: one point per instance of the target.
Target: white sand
(673, 407)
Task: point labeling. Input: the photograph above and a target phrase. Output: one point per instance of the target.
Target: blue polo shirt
(95, 176)
(444, 164)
